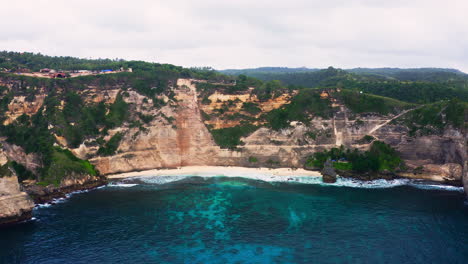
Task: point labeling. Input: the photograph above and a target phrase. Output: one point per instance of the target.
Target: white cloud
(241, 33)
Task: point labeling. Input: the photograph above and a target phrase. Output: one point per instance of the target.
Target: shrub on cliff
(111, 146)
(434, 118)
(303, 106)
(118, 112)
(368, 103)
(64, 163)
(5, 170)
(230, 137)
(380, 157)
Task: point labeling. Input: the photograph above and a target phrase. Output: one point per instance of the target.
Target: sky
(244, 33)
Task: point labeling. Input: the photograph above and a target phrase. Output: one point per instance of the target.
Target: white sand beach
(207, 171)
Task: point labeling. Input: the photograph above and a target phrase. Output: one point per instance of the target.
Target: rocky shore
(17, 201)
(15, 205)
(44, 194)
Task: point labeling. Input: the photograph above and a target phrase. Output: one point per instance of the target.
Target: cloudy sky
(244, 33)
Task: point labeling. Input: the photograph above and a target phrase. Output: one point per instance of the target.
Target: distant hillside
(416, 74)
(411, 85)
(266, 70)
(390, 71)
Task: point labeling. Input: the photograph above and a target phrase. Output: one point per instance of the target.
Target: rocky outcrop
(328, 172)
(17, 199)
(71, 183)
(15, 205)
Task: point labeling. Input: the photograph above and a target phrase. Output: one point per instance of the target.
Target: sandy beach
(207, 171)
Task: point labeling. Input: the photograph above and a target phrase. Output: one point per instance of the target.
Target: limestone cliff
(186, 140)
(15, 205)
(173, 129)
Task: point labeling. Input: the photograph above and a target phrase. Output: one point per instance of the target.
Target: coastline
(216, 171)
(162, 176)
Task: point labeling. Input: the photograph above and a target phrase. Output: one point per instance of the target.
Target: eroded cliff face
(178, 134)
(175, 137)
(15, 205)
(185, 139)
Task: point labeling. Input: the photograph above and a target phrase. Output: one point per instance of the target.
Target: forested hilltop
(422, 85)
(162, 115)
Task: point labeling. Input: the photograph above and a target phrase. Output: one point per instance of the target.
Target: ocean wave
(121, 184)
(163, 179)
(341, 181)
(63, 199)
(427, 186)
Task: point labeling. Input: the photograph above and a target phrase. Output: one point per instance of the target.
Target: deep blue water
(236, 220)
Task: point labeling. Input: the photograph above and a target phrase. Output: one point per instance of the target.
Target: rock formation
(179, 135)
(15, 205)
(328, 172)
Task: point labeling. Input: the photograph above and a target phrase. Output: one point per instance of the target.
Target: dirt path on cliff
(377, 127)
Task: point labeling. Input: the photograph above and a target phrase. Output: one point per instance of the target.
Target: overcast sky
(244, 33)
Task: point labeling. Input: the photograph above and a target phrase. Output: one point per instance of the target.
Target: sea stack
(328, 172)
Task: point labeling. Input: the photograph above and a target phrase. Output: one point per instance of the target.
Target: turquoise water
(237, 220)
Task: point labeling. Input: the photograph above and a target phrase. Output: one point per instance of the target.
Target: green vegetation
(145, 118)
(366, 139)
(251, 108)
(413, 92)
(434, 118)
(230, 137)
(111, 146)
(345, 166)
(243, 82)
(22, 172)
(253, 159)
(414, 86)
(118, 112)
(78, 119)
(312, 135)
(307, 103)
(5, 170)
(31, 133)
(64, 163)
(269, 90)
(380, 157)
(365, 103)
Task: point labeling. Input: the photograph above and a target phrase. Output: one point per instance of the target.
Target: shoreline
(230, 171)
(162, 176)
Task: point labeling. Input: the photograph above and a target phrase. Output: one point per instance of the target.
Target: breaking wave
(121, 184)
(341, 181)
(64, 199)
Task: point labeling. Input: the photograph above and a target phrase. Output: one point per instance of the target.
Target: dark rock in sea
(328, 172)
(44, 194)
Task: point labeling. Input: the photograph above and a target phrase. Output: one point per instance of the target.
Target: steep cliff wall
(186, 140)
(15, 205)
(178, 132)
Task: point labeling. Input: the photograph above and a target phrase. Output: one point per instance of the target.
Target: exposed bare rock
(72, 182)
(15, 153)
(328, 172)
(15, 205)
(19, 106)
(180, 138)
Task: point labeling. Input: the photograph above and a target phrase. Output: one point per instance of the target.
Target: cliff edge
(15, 205)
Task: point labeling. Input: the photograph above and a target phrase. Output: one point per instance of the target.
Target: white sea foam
(341, 181)
(163, 179)
(427, 186)
(121, 184)
(44, 205)
(63, 199)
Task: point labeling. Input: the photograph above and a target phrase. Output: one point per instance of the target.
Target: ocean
(240, 220)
